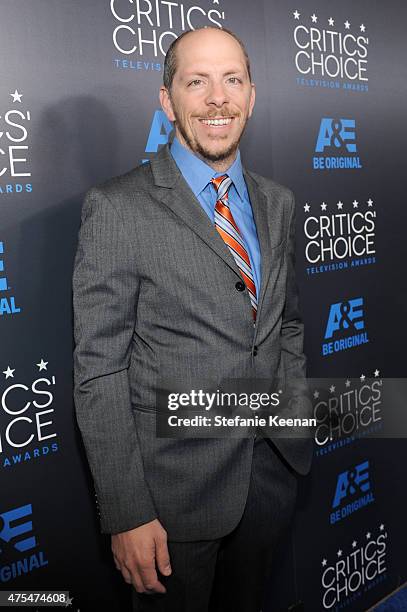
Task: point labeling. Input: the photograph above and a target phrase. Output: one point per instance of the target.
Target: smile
(217, 122)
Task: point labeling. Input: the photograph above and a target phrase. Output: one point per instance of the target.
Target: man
(186, 264)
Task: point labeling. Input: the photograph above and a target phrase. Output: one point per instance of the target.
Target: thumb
(162, 556)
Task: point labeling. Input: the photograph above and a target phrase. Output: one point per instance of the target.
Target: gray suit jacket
(154, 295)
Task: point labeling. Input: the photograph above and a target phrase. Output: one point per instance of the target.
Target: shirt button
(240, 286)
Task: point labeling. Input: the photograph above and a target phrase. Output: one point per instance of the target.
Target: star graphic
(362, 378)
(332, 388)
(382, 527)
(370, 202)
(354, 544)
(347, 24)
(323, 206)
(306, 207)
(42, 365)
(324, 562)
(296, 15)
(316, 394)
(347, 383)
(368, 535)
(339, 553)
(9, 372)
(68, 601)
(355, 203)
(362, 28)
(16, 96)
(340, 205)
(216, 1)
(314, 18)
(331, 21)
(376, 373)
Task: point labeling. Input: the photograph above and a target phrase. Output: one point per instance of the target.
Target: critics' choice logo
(17, 542)
(26, 425)
(346, 319)
(352, 492)
(339, 236)
(346, 411)
(7, 302)
(354, 569)
(335, 146)
(331, 53)
(14, 146)
(144, 30)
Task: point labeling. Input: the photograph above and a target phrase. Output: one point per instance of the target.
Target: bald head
(196, 37)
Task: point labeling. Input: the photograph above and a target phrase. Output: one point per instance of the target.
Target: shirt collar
(198, 174)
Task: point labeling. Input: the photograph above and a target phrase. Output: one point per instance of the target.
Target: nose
(217, 94)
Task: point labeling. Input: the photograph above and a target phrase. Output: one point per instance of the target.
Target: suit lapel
(178, 196)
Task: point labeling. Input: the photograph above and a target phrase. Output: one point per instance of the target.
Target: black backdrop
(80, 104)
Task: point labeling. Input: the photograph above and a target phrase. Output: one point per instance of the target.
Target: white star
(9, 372)
(370, 202)
(355, 203)
(42, 365)
(316, 394)
(324, 562)
(331, 21)
(362, 378)
(347, 24)
(354, 544)
(368, 535)
(306, 207)
(296, 15)
(381, 527)
(16, 96)
(314, 18)
(376, 373)
(362, 28)
(332, 388)
(347, 383)
(323, 206)
(216, 1)
(339, 553)
(340, 205)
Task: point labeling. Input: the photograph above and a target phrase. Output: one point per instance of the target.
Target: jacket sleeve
(105, 292)
(292, 328)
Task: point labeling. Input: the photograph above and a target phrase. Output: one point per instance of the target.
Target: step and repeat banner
(79, 104)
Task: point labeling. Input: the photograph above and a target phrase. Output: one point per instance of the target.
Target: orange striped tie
(227, 228)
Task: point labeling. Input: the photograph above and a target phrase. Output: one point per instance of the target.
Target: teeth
(224, 121)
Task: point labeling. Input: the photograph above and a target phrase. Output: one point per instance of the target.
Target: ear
(252, 99)
(166, 104)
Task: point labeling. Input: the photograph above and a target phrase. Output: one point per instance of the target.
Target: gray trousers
(229, 574)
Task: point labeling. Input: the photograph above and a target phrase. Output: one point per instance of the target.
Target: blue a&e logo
(161, 128)
(19, 532)
(7, 303)
(16, 533)
(343, 317)
(336, 142)
(353, 492)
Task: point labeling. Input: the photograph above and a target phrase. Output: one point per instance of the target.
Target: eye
(195, 83)
(234, 80)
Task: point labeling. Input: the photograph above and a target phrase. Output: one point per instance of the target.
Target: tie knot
(221, 184)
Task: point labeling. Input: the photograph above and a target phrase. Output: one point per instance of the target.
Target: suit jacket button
(255, 351)
(240, 286)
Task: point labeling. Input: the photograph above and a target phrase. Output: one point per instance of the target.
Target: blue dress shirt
(198, 176)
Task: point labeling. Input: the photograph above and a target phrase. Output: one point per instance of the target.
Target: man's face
(211, 97)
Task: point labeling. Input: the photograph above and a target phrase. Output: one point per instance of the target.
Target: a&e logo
(343, 317)
(7, 302)
(353, 492)
(160, 130)
(17, 538)
(336, 145)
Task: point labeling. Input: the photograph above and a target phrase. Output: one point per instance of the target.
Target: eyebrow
(205, 74)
